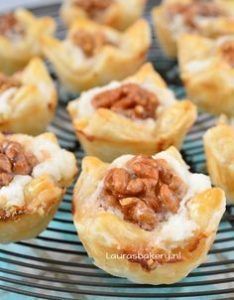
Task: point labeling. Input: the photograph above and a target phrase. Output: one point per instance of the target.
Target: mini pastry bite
(20, 34)
(219, 150)
(28, 99)
(211, 19)
(34, 175)
(146, 218)
(139, 115)
(207, 70)
(94, 54)
(119, 14)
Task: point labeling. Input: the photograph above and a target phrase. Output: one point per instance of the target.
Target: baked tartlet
(146, 218)
(219, 150)
(20, 34)
(211, 19)
(119, 14)
(34, 175)
(28, 99)
(207, 70)
(139, 115)
(93, 54)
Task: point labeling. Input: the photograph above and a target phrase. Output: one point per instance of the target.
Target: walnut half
(9, 26)
(196, 8)
(14, 160)
(129, 100)
(144, 192)
(227, 52)
(90, 42)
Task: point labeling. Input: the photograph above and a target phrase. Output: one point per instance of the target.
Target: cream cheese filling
(53, 161)
(177, 227)
(84, 108)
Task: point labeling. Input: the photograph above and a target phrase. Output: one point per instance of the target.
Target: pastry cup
(107, 134)
(169, 34)
(120, 14)
(107, 237)
(78, 72)
(30, 107)
(219, 149)
(29, 202)
(207, 72)
(15, 54)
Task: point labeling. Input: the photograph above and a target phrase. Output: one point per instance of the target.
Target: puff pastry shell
(29, 107)
(78, 72)
(29, 202)
(16, 52)
(120, 14)
(169, 29)
(219, 149)
(107, 135)
(105, 233)
(207, 72)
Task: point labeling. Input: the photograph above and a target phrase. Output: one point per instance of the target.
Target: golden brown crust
(16, 55)
(117, 14)
(107, 64)
(220, 24)
(32, 105)
(41, 198)
(219, 149)
(105, 234)
(108, 135)
(207, 73)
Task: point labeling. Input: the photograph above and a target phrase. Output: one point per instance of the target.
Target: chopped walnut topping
(90, 42)
(144, 192)
(14, 160)
(129, 100)
(190, 11)
(93, 7)
(9, 26)
(7, 82)
(227, 51)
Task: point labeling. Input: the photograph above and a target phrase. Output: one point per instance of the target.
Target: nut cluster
(144, 192)
(93, 7)
(227, 51)
(14, 160)
(129, 100)
(196, 8)
(7, 82)
(9, 26)
(90, 42)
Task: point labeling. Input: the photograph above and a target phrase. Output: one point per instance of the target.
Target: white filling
(179, 226)
(197, 66)
(85, 109)
(13, 194)
(54, 161)
(177, 26)
(223, 39)
(58, 166)
(76, 56)
(84, 105)
(5, 107)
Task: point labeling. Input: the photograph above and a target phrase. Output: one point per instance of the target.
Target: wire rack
(55, 265)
